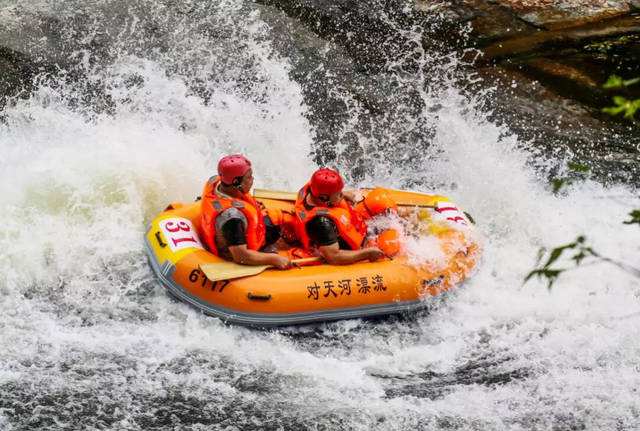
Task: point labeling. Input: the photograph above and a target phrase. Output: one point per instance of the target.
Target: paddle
(229, 270)
(291, 196)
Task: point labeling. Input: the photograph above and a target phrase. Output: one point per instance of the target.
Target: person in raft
(234, 225)
(327, 221)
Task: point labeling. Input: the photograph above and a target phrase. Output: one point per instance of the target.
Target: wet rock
(348, 102)
(555, 14)
(489, 21)
(351, 102)
(364, 77)
(321, 66)
(561, 126)
(340, 22)
(16, 73)
(38, 37)
(495, 22)
(548, 82)
(575, 63)
(554, 39)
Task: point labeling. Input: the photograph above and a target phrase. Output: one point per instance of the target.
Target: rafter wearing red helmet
(328, 223)
(233, 224)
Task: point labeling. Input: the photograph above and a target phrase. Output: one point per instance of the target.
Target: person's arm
(350, 196)
(323, 233)
(245, 256)
(334, 256)
(235, 235)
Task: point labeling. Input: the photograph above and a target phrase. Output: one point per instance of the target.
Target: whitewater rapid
(89, 340)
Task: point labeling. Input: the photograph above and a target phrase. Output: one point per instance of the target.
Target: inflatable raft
(320, 292)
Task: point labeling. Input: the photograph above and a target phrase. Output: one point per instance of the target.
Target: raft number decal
(179, 233)
(451, 213)
(196, 275)
(335, 288)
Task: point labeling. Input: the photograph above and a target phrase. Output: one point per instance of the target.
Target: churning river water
(152, 94)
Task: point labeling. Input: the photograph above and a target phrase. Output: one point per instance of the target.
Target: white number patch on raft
(451, 213)
(180, 233)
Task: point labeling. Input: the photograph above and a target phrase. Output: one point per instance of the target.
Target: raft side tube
(165, 271)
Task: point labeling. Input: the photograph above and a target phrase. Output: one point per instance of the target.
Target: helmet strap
(235, 185)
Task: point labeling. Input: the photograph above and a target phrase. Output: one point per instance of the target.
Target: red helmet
(326, 181)
(231, 167)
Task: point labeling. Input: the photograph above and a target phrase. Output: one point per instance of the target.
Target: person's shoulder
(321, 223)
(230, 214)
(322, 230)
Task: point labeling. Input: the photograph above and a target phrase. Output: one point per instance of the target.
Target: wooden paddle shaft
(306, 260)
(290, 196)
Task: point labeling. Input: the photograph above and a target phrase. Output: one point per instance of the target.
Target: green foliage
(580, 252)
(635, 217)
(606, 46)
(578, 170)
(616, 82)
(623, 105)
(558, 183)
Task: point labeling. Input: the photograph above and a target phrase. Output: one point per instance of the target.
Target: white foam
(79, 186)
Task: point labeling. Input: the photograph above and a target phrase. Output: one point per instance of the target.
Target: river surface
(152, 94)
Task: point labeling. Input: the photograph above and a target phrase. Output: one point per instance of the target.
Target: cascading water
(152, 95)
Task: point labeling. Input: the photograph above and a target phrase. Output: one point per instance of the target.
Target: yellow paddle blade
(230, 270)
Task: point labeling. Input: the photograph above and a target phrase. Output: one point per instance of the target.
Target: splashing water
(153, 94)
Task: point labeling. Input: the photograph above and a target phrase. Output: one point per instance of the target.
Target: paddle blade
(230, 270)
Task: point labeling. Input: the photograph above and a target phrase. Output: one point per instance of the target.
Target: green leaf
(555, 254)
(582, 255)
(635, 217)
(613, 111)
(629, 107)
(558, 183)
(613, 82)
(578, 167)
(620, 101)
(616, 82)
(552, 276)
(535, 272)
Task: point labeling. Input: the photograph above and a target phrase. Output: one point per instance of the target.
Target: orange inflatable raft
(320, 292)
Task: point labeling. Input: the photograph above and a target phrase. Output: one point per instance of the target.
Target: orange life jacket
(351, 227)
(213, 204)
(377, 203)
(362, 210)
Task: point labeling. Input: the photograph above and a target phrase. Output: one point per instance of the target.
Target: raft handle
(258, 297)
(160, 242)
(469, 217)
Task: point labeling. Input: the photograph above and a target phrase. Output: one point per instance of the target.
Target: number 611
(196, 275)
